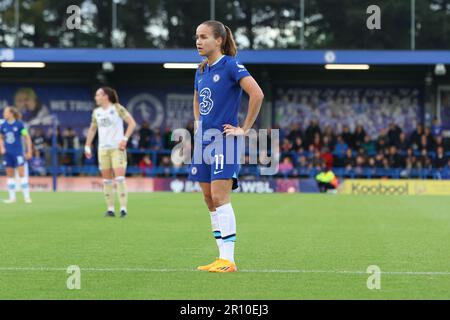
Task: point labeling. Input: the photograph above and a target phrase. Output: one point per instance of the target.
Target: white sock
(227, 224)
(25, 187)
(11, 182)
(216, 232)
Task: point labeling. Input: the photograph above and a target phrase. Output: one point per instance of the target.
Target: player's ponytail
(219, 30)
(111, 93)
(229, 46)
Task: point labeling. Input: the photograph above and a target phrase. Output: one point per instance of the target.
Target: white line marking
(400, 273)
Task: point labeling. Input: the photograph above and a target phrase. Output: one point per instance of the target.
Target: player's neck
(214, 58)
(106, 106)
(11, 121)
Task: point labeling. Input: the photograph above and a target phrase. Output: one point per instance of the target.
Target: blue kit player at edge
(12, 130)
(219, 83)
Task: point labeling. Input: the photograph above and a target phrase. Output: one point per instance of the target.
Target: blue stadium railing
(83, 166)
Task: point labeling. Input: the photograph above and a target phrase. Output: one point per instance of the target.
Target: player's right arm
(195, 102)
(196, 110)
(90, 137)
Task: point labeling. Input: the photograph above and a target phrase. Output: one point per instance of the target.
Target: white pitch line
(400, 273)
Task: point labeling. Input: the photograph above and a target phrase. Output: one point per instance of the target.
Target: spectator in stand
(371, 164)
(165, 166)
(303, 163)
(298, 145)
(327, 157)
(382, 141)
(157, 142)
(414, 139)
(286, 145)
(440, 160)
(145, 136)
(439, 142)
(286, 166)
(368, 145)
(424, 143)
(379, 160)
(341, 147)
(349, 160)
(348, 137)
(402, 143)
(327, 142)
(71, 142)
(167, 139)
(317, 143)
(311, 131)
(37, 164)
(295, 132)
(395, 159)
(430, 138)
(146, 165)
(436, 128)
(317, 161)
(359, 136)
(38, 139)
(329, 138)
(393, 134)
(411, 160)
(425, 161)
(360, 164)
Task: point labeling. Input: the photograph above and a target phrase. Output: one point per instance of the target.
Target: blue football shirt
(219, 92)
(12, 136)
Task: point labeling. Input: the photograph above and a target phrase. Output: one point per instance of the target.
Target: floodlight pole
(302, 24)
(212, 8)
(16, 21)
(413, 25)
(114, 15)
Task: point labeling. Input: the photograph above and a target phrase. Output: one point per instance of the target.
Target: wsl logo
(206, 103)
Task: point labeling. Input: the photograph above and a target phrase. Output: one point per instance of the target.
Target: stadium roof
(311, 57)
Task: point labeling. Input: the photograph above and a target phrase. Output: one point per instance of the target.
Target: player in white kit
(108, 119)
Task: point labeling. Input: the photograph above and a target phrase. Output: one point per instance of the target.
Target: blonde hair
(15, 112)
(219, 30)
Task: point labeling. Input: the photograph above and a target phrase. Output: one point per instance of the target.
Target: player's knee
(120, 179)
(219, 199)
(209, 201)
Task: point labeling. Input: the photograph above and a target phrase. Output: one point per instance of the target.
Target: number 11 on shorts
(218, 159)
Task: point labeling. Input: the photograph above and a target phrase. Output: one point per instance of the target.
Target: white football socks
(24, 185)
(216, 231)
(11, 182)
(227, 225)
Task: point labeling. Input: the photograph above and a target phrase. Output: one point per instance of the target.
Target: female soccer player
(11, 132)
(219, 82)
(108, 118)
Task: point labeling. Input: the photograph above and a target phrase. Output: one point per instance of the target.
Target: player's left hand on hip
(230, 130)
(122, 145)
(28, 155)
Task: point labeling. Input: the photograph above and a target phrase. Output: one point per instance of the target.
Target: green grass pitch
(289, 246)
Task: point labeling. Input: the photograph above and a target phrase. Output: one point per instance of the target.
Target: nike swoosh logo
(216, 172)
